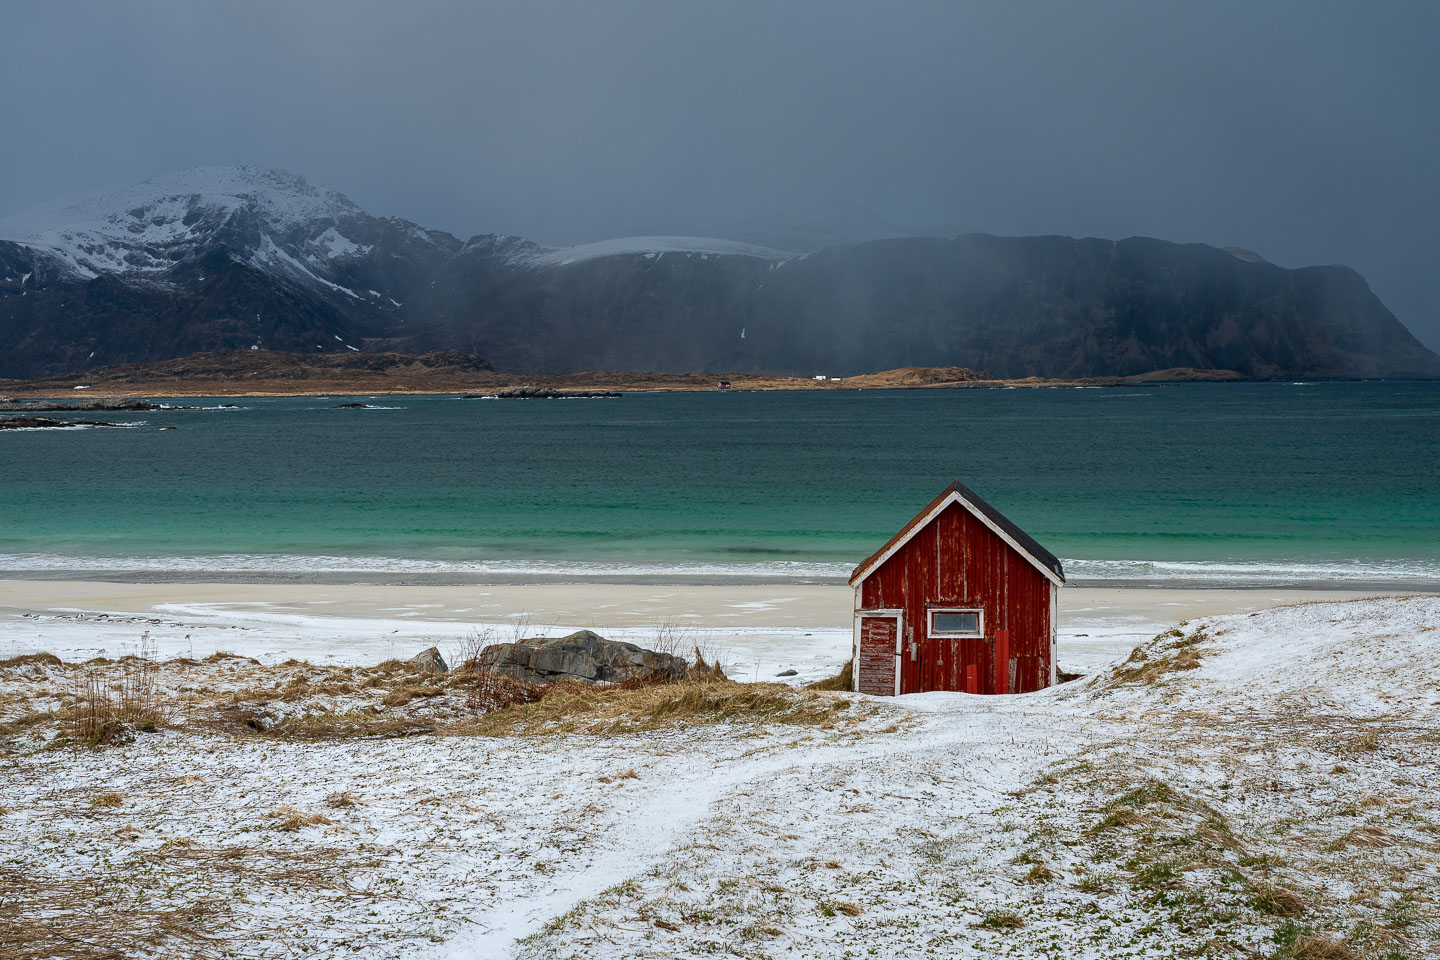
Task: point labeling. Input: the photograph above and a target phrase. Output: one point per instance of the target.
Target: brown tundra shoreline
(254, 373)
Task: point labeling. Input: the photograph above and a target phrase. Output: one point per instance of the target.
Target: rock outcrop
(430, 661)
(46, 423)
(585, 656)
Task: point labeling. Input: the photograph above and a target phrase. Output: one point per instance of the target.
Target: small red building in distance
(959, 599)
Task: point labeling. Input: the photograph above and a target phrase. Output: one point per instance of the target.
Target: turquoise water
(1223, 482)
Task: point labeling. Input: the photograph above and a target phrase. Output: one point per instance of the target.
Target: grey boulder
(430, 661)
(584, 655)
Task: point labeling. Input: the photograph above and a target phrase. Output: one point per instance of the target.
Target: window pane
(957, 623)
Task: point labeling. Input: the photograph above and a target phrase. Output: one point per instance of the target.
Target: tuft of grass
(108, 705)
(291, 820)
(1001, 920)
(703, 669)
(844, 680)
(1154, 874)
(830, 908)
(1296, 944)
(1170, 652)
(1364, 743)
(1094, 883)
(1039, 873)
(1277, 901)
(1366, 836)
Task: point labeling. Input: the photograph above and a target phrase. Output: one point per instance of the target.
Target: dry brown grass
(107, 707)
(705, 668)
(333, 725)
(1039, 873)
(111, 699)
(1277, 901)
(488, 692)
(1170, 652)
(1364, 743)
(72, 918)
(573, 707)
(1367, 836)
(99, 915)
(32, 659)
(292, 819)
(1320, 947)
(844, 680)
(107, 800)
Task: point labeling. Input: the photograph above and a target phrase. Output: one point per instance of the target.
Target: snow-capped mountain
(270, 219)
(145, 228)
(219, 258)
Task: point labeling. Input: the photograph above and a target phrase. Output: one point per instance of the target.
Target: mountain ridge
(222, 258)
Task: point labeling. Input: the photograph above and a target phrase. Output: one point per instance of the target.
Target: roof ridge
(1026, 544)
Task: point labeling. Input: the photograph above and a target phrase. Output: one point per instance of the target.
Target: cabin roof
(957, 492)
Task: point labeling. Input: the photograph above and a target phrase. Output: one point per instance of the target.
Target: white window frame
(979, 621)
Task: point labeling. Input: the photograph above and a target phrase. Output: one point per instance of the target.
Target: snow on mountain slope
(146, 227)
(652, 247)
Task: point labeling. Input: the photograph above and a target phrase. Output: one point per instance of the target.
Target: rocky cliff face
(235, 257)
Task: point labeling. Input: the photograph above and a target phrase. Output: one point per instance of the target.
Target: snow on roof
(652, 247)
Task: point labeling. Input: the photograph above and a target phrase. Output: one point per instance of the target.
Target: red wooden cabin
(959, 599)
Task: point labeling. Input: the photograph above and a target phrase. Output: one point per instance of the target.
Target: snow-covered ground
(1255, 784)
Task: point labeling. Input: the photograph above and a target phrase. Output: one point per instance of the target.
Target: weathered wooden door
(877, 662)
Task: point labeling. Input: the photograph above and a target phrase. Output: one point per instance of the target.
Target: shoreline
(757, 630)
(427, 579)
(267, 374)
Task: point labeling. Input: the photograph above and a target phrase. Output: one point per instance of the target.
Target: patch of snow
(338, 246)
(649, 247)
(269, 252)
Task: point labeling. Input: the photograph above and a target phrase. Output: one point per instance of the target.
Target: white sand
(759, 631)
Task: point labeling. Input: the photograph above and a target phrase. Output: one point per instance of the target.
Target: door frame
(899, 616)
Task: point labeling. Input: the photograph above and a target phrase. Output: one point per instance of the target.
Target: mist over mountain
(235, 257)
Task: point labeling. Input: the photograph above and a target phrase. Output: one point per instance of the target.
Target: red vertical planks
(877, 655)
(1002, 661)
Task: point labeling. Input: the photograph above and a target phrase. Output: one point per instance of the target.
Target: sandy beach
(758, 630)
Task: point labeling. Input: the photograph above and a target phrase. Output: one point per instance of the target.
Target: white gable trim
(929, 518)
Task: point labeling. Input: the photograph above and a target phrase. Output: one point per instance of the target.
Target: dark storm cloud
(1301, 129)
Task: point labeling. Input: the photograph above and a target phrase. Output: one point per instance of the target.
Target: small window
(955, 623)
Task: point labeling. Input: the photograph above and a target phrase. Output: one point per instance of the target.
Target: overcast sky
(1303, 129)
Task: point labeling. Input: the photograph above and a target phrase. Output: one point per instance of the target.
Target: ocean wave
(1256, 571)
(1216, 573)
(290, 563)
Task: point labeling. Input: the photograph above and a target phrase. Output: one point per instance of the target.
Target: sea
(1205, 484)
